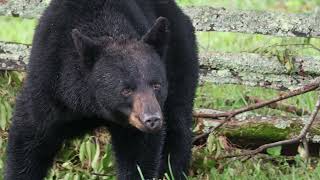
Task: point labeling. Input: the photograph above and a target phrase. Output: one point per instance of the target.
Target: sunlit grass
(16, 29)
(238, 42)
(226, 97)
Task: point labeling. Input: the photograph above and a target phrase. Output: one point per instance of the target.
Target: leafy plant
(275, 151)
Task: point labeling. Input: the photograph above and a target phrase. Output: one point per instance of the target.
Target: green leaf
(211, 143)
(76, 177)
(88, 150)
(170, 168)
(95, 161)
(106, 160)
(17, 77)
(8, 109)
(67, 165)
(82, 152)
(8, 78)
(167, 176)
(92, 150)
(3, 116)
(1, 164)
(68, 176)
(275, 151)
(140, 172)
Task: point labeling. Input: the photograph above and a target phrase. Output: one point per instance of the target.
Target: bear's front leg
(30, 150)
(178, 142)
(134, 148)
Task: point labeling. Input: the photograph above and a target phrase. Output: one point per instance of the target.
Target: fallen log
(257, 129)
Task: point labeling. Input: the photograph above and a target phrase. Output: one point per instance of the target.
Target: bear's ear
(158, 35)
(85, 46)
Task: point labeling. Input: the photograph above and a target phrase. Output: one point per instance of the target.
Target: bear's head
(127, 77)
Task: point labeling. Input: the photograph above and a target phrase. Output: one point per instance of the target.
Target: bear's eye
(156, 86)
(126, 92)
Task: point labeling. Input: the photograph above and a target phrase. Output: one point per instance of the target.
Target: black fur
(84, 54)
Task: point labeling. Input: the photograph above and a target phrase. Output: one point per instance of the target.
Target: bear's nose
(153, 123)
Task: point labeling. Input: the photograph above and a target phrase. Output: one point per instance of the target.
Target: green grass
(81, 157)
(237, 42)
(226, 97)
(16, 29)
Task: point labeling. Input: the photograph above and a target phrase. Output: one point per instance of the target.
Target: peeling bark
(14, 56)
(255, 22)
(23, 8)
(257, 70)
(219, 68)
(208, 19)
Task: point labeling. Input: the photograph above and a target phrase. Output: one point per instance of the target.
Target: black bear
(128, 65)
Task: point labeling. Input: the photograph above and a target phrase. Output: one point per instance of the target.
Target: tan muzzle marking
(137, 108)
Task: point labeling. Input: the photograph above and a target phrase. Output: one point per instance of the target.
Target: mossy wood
(208, 19)
(14, 56)
(246, 68)
(263, 128)
(220, 68)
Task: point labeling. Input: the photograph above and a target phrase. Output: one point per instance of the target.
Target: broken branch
(315, 84)
(307, 88)
(297, 139)
(280, 106)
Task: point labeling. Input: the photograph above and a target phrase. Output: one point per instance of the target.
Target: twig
(285, 45)
(315, 84)
(281, 107)
(307, 88)
(297, 139)
(102, 175)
